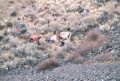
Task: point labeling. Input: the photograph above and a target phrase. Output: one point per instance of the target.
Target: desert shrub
(95, 39)
(47, 64)
(91, 41)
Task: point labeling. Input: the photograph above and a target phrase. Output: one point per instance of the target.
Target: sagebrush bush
(47, 64)
(91, 41)
(95, 39)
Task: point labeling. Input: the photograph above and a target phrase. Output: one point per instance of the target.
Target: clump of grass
(92, 40)
(48, 64)
(95, 36)
(95, 39)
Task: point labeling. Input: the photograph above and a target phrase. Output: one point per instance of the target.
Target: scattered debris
(35, 38)
(21, 28)
(61, 37)
(53, 39)
(64, 35)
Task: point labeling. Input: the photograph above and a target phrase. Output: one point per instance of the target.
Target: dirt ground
(49, 36)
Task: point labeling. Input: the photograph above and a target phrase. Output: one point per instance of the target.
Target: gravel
(70, 72)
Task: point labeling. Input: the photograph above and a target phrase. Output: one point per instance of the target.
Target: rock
(21, 28)
(13, 14)
(18, 30)
(62, 43)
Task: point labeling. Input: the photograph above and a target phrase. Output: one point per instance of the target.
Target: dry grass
(76, 58)
(95, 39)
(92, 40)
(47, 64)
(102, 58)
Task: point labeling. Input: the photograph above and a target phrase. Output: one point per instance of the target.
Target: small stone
(80, 9)
(13, 14)
(11, 2)
(21, 28)
(62, 44)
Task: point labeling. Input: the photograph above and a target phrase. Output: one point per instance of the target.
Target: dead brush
(48, 64)
(92, 40)
(106, 57)
(95, 39)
